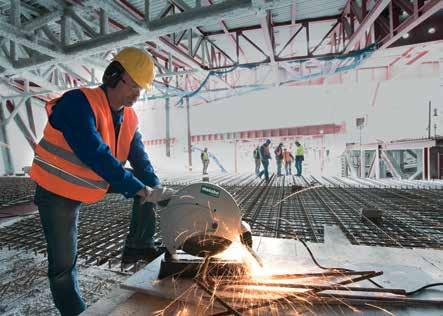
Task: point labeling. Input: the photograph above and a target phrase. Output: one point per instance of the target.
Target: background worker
(265, 156)
(299, 157)
(204, 156)
(256, 155)
(288, 158)
(89, 136)
(279, 158)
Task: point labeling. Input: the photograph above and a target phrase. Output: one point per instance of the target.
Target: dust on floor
(24, 287)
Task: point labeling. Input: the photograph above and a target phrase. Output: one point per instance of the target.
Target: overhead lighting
(431, 30)
(406, 35)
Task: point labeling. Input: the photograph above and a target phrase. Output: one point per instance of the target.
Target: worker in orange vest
(288, 159)
(90, 135)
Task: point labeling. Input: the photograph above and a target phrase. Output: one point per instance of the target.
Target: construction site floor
(408, 269)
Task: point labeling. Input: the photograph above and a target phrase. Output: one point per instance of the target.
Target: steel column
(168, 128)
(29, 112)
(188, 124)
(6, 152)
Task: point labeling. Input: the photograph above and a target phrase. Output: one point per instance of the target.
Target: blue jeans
(279, 165)
(59, 218)
(288, 168)
(265, 171)
(257, 166)
(298, 164)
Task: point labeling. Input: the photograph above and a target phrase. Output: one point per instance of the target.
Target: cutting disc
(202, 219)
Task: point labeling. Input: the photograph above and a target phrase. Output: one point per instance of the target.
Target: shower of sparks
(267, 290)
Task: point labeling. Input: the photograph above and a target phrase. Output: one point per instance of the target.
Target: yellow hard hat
(139, 65)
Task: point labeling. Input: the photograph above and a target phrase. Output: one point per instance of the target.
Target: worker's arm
(73, 116)
(139, 160)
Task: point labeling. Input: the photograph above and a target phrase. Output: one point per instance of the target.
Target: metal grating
(412, 218)
(15, 190)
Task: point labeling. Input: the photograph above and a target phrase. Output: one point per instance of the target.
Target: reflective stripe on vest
(87, 183)
(58, 151)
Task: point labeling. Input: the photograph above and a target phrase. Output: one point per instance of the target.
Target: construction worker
(299, 157)
(288, 159)
(256, 155)
(205, 160)
(89, 136)
(279, 158)
(265, 156)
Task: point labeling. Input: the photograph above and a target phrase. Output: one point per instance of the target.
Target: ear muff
(113, 74)
(114, 79)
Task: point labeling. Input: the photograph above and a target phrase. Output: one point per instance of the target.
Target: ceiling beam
(366, 24)
(230, 36)
(293, 11)
(268, 33)
(14, 33)
(41, 21)
(427, 10)
(284, 24)
(129, 37)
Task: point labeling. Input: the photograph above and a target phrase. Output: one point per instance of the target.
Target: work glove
(160, 195)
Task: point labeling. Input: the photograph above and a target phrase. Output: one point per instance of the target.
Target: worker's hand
(246, 234)
(159, 195)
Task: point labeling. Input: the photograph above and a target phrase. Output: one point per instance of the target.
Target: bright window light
(431, 30)
(406, 35)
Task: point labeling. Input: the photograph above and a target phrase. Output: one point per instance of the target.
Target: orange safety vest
(287, 156)
(56, 167)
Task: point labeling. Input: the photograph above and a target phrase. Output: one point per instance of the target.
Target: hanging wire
(357, 58)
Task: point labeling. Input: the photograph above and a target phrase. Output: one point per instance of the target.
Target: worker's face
(130, 91)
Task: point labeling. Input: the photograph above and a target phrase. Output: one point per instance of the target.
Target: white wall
(400, 111)
(394, 110)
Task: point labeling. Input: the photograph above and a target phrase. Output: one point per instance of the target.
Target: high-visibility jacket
(256, 153)
(57, 168)
(204, 156)
(300, 151)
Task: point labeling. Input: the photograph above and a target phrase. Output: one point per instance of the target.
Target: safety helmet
(139, 65)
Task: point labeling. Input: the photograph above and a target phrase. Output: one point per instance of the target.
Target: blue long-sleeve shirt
(73, 116)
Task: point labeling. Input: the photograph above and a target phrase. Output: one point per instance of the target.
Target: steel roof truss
(254, 45)
(89, 30)
(420, 14)
(268, 33)
(291, 39)
(41, 21)
(327, 35)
